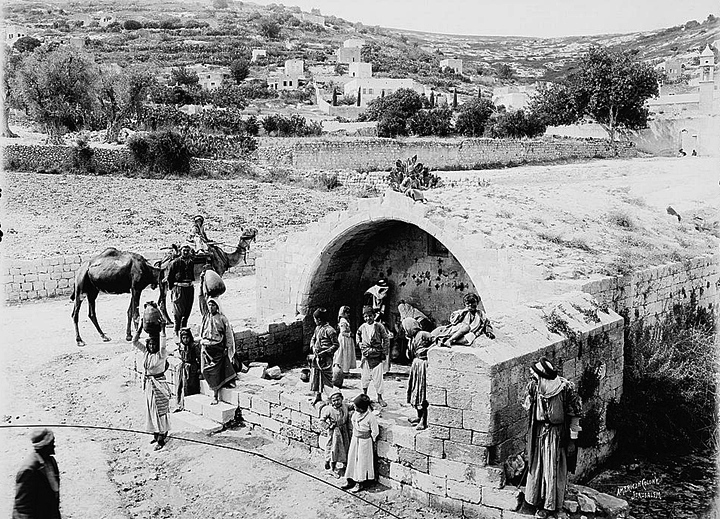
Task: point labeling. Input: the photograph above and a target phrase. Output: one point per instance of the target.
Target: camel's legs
(75, 315)
(133, 313)
(93, 316)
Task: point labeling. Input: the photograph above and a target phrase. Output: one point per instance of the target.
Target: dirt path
(109, 474)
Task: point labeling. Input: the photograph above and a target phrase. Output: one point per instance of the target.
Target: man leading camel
(180, 278)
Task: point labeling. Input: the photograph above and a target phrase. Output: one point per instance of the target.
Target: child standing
(335, 419)
(360, 469)
(345, 355)
(324, 344)
(373, 339)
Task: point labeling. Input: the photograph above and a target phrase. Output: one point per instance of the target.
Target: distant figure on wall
(554, 410)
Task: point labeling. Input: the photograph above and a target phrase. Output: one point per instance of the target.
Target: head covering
(41, 438)
(411, 326)
(320, 314)
(198, 216)
(343, 311)
(471, 298)
(337, 392)
(185, 246)
(362, 402)
(188, 332)
(214, 300)
(544, 369)
(382, 283)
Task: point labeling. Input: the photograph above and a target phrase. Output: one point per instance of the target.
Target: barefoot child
(324, 344)
(360, 469)
(335, 419)
(345, 355)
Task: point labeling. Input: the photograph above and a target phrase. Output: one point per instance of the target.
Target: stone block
(426, 444)
(387, 450)
(280, 413)
(460, 435)
(452, 470)
(413, 459)
(465, 491)
(475, 420)
(417, 495)
(307, 408)
(459, 400)
(400, 473)
(301, 420)
(260, 406)
(436, 396)
(403, 436)
(194, 403)
(439, 432)
(504, 498)
(220, 412)
(472, 511)
(271, 395)
(291, 400)
(466, 453)
(446, 504)
(427, 483)
(445, 416)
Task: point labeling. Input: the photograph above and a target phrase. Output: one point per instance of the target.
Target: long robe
(361, 456)
(188, 375)
(478, 323)
(218, 350)
(345, 355)
(417, 381)
(547, 442)
(324, 344)
(156, 387)
(336, 422)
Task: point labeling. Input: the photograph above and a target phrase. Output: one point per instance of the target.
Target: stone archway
(331, 257)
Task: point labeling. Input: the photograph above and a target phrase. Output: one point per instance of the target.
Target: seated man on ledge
(465, 324)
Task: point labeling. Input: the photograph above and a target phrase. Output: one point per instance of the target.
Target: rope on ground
(201, 442)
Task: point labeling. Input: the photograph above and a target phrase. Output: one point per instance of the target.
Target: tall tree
(239, 69)
(393, 111)
(121, 94)
(8, 94)
(57, 88)
(609, 86)
(473, 117)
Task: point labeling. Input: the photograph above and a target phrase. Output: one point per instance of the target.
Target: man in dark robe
(37, 490)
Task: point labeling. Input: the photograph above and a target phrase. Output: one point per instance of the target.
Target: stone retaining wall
(650, 296)
(54, 276)
(369, 154)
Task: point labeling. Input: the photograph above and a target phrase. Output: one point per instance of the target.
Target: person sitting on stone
(465, 325)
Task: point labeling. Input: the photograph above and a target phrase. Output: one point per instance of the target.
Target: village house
(210, 77)
(514, 97)
(353, 42)
(311, 18)
(453, 63)
(106, 19)
(371, 87)
(360, 69)
(82, 20)
(12, 33)
(257, 54)
(290, 78)
(672, 69)
(348, 55)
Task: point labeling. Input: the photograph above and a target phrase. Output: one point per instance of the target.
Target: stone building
(374, 87)
(347, 55)
(360, 69)
(453, 63)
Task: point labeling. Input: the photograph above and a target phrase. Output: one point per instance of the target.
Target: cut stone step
(185, 421)
(201, 406)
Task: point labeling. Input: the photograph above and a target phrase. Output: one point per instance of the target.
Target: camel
(220, 261)
(114, 272)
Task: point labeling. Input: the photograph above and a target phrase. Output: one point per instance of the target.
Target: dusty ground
(576, 220)
(45, 378)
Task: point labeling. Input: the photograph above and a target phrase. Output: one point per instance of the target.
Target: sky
(515, 17)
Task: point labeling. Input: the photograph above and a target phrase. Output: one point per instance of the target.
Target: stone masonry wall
(649, 296)
(368, 154)
(54, 276)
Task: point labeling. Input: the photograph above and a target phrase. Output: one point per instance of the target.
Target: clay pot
(152, 320)
(338, 377)
(214, 285)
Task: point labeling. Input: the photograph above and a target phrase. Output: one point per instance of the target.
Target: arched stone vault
(310, 267)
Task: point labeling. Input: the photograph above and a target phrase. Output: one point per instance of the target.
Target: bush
(437, 121)
(132, 25)
(161, 152)
(293, 126)
(473, 117)
(516, 125)
(81, 160)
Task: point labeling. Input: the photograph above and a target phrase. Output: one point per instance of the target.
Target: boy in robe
(373, 340)
(335, 420)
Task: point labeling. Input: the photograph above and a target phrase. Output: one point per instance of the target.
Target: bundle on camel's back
(115, 272)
